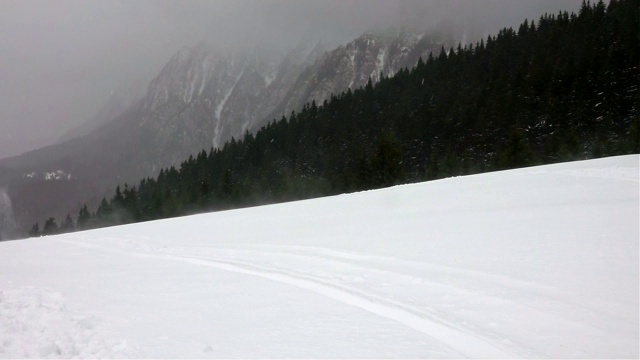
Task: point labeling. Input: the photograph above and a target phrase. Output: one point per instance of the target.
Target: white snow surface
(539, 262)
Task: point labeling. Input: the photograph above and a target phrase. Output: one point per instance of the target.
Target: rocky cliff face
(203, 98)
(351, 66)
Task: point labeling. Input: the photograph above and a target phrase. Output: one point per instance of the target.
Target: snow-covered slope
(536, 262)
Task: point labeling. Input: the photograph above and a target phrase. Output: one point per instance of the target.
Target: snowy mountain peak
(350, 66)
(184, 77)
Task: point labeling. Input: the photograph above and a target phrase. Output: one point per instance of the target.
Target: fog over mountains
(61, 61)
(151, 112)
(202, 98)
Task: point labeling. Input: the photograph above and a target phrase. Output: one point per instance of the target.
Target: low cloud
(60, 60)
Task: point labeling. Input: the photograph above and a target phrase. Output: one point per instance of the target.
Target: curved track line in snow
(448, 334)
(375, 262)
(435, 329)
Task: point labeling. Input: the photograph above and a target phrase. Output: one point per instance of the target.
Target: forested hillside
(562, 87)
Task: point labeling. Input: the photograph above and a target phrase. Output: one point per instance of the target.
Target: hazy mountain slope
(351, 66)
(539, 262)
(202, 98)
(119, 101)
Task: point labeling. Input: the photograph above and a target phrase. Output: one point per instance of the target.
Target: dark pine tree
(67, 225)
(50, 227)
(35, 230)
(84, 217)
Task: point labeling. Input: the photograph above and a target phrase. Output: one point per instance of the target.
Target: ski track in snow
(413, 271)
(459, 339)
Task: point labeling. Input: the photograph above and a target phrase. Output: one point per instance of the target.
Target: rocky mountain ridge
(350, 66)
(201, 99)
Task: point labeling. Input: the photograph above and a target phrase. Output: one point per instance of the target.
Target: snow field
(535, 262)
(36, 323)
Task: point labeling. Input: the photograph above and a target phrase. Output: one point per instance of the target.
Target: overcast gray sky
(60, 59)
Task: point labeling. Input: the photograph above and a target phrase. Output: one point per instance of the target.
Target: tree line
(561, 88)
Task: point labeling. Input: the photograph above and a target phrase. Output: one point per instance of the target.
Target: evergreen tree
(517, 151)
(386, 167)
(83, 218)
(50, 227)
(35, 230)
(67, 225)
(104, 214)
